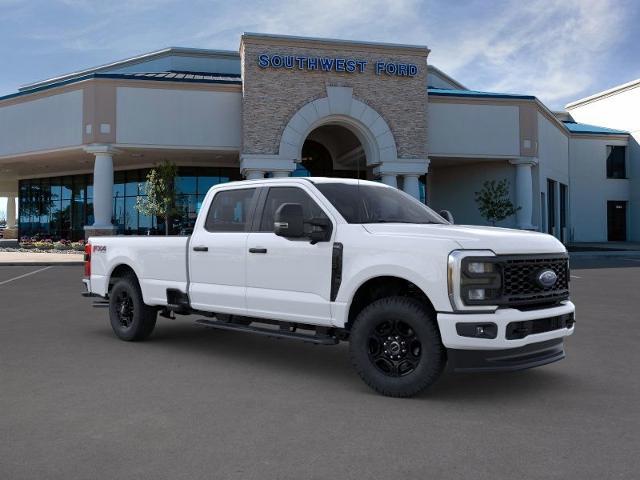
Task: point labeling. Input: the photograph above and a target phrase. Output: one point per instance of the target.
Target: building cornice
(319, 43)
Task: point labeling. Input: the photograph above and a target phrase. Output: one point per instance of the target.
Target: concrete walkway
(32, 258)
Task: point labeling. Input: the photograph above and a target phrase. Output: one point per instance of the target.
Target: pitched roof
(171, 76)
(475, 93)
(575, 127)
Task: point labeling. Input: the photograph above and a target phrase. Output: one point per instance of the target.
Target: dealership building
(75, 149)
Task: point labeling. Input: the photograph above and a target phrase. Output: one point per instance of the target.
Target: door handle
(257, 250)
(200, 248)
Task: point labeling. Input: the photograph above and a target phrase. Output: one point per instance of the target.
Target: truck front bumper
(506, 328)
(510, 359)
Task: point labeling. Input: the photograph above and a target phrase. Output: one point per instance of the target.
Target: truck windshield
(376, 204)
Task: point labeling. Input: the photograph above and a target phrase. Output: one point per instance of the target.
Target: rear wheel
(395, 347)
(131, 319)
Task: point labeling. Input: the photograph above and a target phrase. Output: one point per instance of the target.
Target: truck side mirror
(447, 215)
(289, 221)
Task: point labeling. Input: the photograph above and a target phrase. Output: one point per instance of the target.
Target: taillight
(87, 260)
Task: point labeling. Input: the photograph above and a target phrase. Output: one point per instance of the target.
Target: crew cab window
(229, 211)
(279, 195)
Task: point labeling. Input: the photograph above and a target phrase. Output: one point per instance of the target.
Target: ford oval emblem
(547, 278)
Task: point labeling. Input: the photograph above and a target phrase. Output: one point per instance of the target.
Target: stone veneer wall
(271, 96)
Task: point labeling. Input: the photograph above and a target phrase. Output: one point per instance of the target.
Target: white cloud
(554, 49)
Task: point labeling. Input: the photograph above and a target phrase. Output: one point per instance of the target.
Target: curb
(41, 264)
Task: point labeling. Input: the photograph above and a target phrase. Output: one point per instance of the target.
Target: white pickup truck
(325, 260)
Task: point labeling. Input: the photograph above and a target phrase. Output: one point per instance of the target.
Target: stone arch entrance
(332, 150)
(339, 108)
(347, 117)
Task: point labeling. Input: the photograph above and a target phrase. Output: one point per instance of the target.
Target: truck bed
(159, 263)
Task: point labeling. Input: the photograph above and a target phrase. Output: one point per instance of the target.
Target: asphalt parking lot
(195, 403)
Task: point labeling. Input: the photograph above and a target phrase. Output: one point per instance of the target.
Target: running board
(267, 332)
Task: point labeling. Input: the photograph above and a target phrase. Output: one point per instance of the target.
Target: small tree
(493, 201)
(160, 199)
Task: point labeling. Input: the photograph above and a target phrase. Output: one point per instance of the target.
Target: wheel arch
(381, 286)
(119, 271)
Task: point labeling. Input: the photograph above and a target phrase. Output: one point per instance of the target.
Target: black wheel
(395, 347)
(131, 319)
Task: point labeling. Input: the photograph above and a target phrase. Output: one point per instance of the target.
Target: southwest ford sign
(331, 64)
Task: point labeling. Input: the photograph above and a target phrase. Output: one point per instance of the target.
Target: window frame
(262, 202)
(608, 150)
(251, 210)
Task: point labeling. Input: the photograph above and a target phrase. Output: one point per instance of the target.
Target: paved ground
(75, 403)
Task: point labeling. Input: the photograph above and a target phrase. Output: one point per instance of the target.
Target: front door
(218, 253)
(617, 221)
(288, 279)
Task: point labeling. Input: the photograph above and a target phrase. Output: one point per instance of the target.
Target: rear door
(218, 253)
(288, 279)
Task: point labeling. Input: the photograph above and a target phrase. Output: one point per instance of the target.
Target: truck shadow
(331, 365)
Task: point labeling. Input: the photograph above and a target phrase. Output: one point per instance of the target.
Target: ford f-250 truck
(325, 260)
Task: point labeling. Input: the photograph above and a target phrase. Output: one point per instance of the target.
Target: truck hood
(471, 237)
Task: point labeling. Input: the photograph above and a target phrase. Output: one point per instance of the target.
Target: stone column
(411, 185)
(409, 169)
(524, 191)
(254, 166)
(11, 232)
(102, 190)
(390, 179)
(11, 212)
(253, 174)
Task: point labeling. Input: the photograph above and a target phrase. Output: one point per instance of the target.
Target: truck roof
(347, 181)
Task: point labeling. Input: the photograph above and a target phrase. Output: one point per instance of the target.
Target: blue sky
(558, 50)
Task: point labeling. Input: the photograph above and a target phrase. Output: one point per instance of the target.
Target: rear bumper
(533, 355)
(503, 320)
(86, 290)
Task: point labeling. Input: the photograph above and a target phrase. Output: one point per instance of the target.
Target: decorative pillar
(409, 169)
(254, 166)
(411, 185)
(102, 190)
(253, 174)
(390, 179)
(11, 212)
(524, 191)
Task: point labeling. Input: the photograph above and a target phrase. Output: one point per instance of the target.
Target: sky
(558, 50)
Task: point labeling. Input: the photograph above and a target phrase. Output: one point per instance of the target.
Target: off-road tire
(409, 329)
(135, 320)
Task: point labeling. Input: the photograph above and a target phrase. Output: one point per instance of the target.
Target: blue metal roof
(444, 92)
(575, 127)
(173, 76)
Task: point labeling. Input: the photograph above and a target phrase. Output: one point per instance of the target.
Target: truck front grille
(519, 280)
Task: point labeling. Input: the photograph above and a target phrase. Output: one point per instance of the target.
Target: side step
(268, 332)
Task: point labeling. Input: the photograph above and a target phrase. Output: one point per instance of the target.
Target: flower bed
(43, 245)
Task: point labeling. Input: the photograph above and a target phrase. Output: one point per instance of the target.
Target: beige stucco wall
(272, 96)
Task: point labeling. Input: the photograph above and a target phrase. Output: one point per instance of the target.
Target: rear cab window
(231, 210)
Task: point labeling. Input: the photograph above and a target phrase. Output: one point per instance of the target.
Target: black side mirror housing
(447, 215)
(289, 221)
(321, 230)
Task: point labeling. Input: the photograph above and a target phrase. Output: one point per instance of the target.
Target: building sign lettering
(331, 64)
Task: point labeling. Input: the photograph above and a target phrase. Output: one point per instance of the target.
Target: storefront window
(60, 207)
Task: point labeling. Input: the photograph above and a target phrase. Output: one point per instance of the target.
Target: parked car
(325, 260)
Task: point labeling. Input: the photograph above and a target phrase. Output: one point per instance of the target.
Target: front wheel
(131, 319)
(395, 347)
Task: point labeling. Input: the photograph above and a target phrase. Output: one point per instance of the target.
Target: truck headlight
(475, 280)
